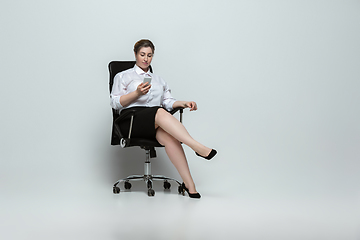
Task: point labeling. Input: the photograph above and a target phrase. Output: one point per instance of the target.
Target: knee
(161, 112)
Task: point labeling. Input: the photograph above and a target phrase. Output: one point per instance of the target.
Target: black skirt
(143, 123)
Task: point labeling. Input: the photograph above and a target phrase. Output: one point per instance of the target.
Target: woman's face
(144, 57)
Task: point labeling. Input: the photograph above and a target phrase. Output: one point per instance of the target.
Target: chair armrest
(124, 115)
(121, 117)
(176, 109)
(181, 109)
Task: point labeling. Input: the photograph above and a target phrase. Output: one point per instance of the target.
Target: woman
(152, 120)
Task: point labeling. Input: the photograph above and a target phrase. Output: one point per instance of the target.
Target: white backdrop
(276, 82)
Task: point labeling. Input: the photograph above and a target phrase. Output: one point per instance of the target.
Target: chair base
(148, 180)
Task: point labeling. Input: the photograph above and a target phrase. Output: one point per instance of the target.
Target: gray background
(277, 85)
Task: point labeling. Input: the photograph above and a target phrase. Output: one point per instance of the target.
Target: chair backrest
(114, 68)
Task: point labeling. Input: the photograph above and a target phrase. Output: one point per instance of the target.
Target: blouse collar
(139, 71)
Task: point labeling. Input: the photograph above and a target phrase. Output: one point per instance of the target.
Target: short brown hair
(143, 43)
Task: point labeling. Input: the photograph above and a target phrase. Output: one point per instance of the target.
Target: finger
(146, 90)
(145, 85)
(194, 106)
(191, 106)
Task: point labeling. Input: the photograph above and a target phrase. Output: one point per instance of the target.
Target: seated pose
(152, 120)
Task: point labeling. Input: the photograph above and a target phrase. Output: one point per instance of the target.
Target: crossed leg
(170, 132)
(174, 127)
(177, 156)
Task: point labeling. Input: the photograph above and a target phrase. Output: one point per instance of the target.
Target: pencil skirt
(143, 123)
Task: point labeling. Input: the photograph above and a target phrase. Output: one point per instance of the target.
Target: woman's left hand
(192, 105)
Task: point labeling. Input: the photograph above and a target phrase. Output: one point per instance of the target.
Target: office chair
(117, 138)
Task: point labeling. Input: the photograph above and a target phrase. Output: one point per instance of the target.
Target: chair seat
(143, 142)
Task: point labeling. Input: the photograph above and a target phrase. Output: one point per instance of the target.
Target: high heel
(191, 195)
(210, 156)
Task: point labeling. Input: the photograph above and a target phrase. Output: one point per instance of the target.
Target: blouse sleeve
(168, 100)
(118, 89)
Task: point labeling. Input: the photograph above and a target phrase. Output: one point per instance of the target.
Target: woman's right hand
(143, 89)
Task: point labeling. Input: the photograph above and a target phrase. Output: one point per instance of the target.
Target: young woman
(150, 101)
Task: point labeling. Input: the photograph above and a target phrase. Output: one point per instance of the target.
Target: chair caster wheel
(116, 190)
(149, 184)
(151, 192)
(127, 185)
(167, 185)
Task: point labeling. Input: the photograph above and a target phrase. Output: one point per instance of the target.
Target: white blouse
(127, 81)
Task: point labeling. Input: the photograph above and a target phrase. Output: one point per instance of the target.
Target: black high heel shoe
(210, 156)
(191, 195)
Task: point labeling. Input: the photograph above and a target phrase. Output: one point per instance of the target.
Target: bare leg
(176, 154)
(175, 128)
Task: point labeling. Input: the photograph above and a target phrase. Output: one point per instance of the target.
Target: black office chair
(118, 138)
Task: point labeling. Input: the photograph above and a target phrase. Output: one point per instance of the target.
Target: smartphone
(147, 80)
